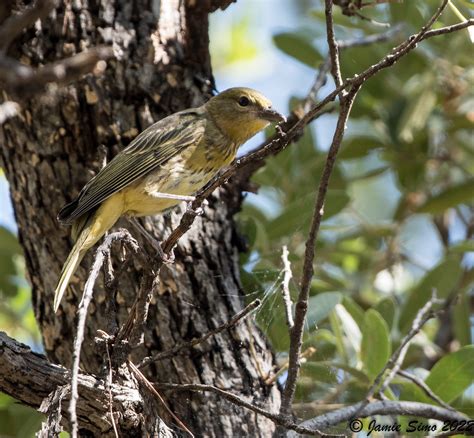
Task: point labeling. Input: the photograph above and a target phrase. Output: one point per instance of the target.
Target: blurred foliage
(238, 38)
(398, 221)
(16, 420)
(16, 319)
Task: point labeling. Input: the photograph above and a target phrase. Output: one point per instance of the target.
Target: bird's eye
(244, 101)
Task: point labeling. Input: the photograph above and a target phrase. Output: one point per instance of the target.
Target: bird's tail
(86, 231)
(72, 262)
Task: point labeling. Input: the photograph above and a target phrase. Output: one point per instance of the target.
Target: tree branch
(333, 46)
(22, 80)
(30, 378)
(100, 256)
(285, 286)
(15, 24)
(239, 401)
(296, 335)
(184, 345)
(315, 426)
(413, 409)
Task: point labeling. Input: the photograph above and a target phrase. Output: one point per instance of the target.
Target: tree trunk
(161, 65)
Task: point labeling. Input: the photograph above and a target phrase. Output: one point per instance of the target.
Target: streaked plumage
(177, 155)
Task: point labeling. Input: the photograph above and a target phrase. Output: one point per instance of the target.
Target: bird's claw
(199, 211)
(167, 259)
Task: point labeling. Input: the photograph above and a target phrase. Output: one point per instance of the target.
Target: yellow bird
(164, 165)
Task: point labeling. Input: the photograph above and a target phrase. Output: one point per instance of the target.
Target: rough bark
(161, 64)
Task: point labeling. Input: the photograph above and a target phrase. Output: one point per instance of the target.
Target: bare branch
(296, 340)
(372, 39)
(145, 382)
(414, 409)
(333, 47)
(286, 287)
(319, 82)
(325, 67)
(239, 401)
(30, 378)
(109, 386)
(315, 426)
(448, 29)
(23, 80)
(296, 336)
(185, 345)
(100, 255)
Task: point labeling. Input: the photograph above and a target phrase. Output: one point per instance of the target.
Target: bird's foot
(199, 211)
(167, 259)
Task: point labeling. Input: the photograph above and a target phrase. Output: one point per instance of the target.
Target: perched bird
(165, 164)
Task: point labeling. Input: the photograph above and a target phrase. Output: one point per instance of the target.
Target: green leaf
(298, 214)
(319, 372)
(386, 308)
(416, 114)
(346, 323)
(9, 248)
(452, 374)
(411, 392)
(299, 47)
(461, 319)
(357, 147)
(321, 305)
(376, 347)
(336, 201)
(354, 310)
(451, 197)
(354, 372)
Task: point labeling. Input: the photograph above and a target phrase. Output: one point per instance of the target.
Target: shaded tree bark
(161, 64)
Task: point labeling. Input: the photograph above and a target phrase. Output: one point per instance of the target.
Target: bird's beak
(271, 115)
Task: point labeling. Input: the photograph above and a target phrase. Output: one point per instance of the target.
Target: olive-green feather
(152, 148)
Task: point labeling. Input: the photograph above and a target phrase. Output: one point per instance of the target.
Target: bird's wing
(149, 150)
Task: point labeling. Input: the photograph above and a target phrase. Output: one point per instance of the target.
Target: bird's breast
(184, 174)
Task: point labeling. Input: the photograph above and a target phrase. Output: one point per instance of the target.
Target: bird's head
(242, 112)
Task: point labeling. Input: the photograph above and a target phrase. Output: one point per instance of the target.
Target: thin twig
(325, 67)
(448, 29)
(189, 344)
(425, 388)
(239, 401)
(109, 387)
(100, 255)
(333, 46)
(144, 381)
(371, 39)
(319, 82)
(285, 287)
(254, 355)
(296, 337)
